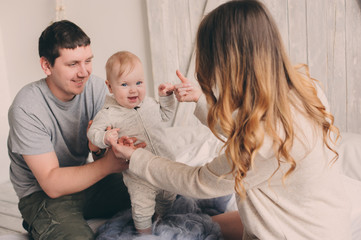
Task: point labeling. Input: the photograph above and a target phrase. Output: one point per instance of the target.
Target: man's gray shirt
(41, 123)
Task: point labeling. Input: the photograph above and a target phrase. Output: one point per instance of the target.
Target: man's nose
(83, 71)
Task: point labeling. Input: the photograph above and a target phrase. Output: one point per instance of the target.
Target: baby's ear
(109, 86)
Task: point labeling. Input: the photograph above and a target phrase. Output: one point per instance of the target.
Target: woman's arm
(210, 180)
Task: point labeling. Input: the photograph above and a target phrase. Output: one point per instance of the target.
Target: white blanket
(196, 145)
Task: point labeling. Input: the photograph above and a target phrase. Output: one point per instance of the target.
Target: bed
(198, 146)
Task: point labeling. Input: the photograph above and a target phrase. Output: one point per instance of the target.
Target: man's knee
(65, 231)
(59, 218)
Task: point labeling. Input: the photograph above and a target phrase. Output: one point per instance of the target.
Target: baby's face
(129, 90)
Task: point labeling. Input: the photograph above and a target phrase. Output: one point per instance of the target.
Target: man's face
(129, 90)
(70, 72)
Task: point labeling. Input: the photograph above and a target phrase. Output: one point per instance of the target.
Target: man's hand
(117, 164)
(165, 89)
(186, 91)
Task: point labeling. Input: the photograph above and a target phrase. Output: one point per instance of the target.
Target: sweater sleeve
(211, 180)
(167, 107)
(201, 110)
(97, 131)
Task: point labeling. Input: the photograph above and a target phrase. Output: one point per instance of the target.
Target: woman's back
(311, 202)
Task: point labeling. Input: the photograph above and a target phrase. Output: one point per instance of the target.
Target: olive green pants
(65, 217)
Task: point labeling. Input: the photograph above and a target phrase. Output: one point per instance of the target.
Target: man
(48, 146)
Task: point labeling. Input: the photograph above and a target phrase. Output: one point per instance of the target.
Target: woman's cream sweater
(309, 204)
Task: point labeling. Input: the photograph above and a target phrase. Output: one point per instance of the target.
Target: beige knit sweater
(310, 204)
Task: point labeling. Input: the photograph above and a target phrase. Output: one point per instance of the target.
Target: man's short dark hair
(61, 34)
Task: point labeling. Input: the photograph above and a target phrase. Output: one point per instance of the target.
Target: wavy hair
(239, 52)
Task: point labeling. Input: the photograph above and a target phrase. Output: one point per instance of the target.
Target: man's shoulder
(29, 94)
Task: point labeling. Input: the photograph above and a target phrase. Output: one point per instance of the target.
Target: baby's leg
(142, 196)
(164, 202)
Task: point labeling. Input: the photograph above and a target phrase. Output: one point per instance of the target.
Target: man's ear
(109, 86)
(45, 65)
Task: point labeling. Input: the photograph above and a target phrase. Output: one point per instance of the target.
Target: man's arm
(57, 181)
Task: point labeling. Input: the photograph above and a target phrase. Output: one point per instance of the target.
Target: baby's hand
(111, 136)
(165, 89)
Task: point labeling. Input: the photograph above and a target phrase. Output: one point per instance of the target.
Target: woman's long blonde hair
(240, 53)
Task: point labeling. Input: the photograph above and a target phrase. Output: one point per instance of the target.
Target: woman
(278, 151)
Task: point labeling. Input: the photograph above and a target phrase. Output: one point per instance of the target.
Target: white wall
(112, 25)
(4, 104)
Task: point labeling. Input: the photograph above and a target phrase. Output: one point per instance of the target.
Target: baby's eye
(123, 85)
(139, 82)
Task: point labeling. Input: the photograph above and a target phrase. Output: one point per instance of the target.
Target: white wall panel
(353, 65)
(325, 34)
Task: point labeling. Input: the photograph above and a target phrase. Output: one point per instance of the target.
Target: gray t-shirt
(41, 123)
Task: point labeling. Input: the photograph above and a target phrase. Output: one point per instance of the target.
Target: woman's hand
(186, 91)
(124, 147)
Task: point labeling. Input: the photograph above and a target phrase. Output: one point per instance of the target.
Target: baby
(131, 113)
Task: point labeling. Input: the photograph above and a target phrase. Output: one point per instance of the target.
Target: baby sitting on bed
(130, 113)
